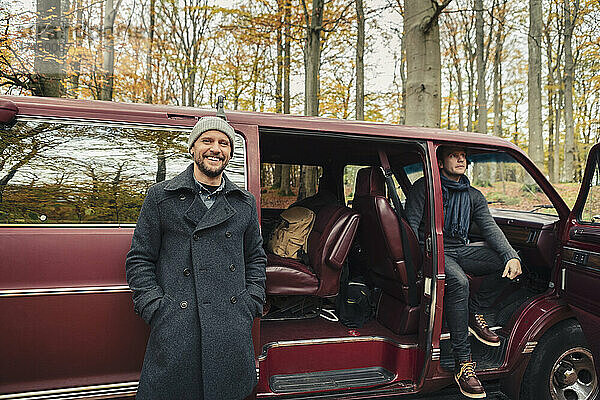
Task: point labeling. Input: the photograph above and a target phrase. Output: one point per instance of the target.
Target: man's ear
(440, 164)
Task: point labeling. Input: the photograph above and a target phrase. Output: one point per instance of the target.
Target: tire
(561, 367)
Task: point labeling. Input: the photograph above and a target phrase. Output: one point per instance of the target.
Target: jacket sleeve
(140, 266)
(415, 203)
(255, 260)
(490, 231)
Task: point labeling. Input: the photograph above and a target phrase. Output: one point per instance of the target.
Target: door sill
(330, 380)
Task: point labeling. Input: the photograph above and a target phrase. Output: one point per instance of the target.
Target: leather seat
(380, 237)
(329, 242)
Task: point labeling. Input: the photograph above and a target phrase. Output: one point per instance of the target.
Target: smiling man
(197, 271)
(496, 261)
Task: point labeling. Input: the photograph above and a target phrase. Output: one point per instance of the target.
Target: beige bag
(290, 238)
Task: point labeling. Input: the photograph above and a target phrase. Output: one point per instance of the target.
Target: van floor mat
(330, 380)
(505, 308)
(485, 356)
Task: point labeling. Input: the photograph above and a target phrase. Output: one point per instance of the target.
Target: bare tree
(360, 64)
(287, 56)
(108, 55)
(570, 16)
(50, 49)
(423, 78)
(480, 51)
(312, 55)
(534, 100)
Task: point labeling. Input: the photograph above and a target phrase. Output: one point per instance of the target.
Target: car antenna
(221, 107)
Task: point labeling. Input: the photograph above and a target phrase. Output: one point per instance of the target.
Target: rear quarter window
(59, 172)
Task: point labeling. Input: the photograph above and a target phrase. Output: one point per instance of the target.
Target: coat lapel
(220, 212)
(196, 211)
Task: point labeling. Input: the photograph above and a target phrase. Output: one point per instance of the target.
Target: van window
(281, 184)
(591, 209)
(506, 184)
(75, 173)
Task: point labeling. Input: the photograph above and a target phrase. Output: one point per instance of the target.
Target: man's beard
(213, 173)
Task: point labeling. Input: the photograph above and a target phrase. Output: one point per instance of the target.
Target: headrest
(370, 182)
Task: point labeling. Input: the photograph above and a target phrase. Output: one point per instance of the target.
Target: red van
(73, 175)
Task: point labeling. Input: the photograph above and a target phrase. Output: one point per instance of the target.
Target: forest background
(522, 70)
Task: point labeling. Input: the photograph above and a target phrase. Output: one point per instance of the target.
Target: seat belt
(413, 296)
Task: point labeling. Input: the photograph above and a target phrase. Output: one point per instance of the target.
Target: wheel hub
(573, 376)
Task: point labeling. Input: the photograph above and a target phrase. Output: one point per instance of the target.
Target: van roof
(164, 115)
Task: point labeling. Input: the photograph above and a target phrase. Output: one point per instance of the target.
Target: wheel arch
(547, 313)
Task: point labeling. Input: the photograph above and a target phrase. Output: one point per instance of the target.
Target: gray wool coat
(198, 279)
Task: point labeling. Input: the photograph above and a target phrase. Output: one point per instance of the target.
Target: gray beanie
(208, 124)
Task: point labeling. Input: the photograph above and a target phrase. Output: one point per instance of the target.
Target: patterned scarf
(457, 207)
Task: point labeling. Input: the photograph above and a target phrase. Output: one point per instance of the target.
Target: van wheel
(561, 367)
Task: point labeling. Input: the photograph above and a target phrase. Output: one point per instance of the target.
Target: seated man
(463, 204)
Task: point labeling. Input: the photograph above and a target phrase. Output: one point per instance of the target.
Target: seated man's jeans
(475, 261)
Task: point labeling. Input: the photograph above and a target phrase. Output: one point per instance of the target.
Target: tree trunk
(279, 78)
(534, 100)
(552, 149)
(312, 56)
(458, 69)
(276, 177)
(423, 62)
(287, 55)
(77, 40)
(558, 115)
(360, 65)
(149, 88)
(50, 49)
(498, 71)
(161, 168)
(402, 120)
(108, 55)
(479, 51)
(312, 65)
(570, 17)
(286, 180)
(470, 73)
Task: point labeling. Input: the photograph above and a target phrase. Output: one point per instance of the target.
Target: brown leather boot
(479, 328)
(469, 385)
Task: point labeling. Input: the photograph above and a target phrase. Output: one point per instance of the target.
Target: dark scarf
(457, 207)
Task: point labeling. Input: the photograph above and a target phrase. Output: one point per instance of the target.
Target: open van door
(580, 267)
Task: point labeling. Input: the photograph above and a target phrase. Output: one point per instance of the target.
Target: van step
(330, 380)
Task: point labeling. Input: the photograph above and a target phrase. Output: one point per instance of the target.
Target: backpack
(355, 305)
(290, 237)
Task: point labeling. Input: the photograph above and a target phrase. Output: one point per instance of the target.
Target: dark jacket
(198, 278)
(480, 214)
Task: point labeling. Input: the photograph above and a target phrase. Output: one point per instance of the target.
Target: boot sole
(470, 395)
(482, 340)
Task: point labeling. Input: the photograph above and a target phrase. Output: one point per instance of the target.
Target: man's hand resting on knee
(512, 268)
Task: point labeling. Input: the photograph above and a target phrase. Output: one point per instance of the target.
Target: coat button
(187, 272)
(196, 237)
(233, 300)
(183, 304)
(228, 234)
(232, 267)
(182, 197)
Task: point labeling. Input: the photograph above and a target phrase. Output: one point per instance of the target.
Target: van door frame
(580, 260)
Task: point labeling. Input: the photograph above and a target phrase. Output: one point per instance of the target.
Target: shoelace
(467, 369)
(481, 320)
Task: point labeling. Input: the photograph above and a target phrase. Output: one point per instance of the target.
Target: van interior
(357, 239)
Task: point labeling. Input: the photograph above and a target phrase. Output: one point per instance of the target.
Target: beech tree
(534, 83)
(423, 78)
